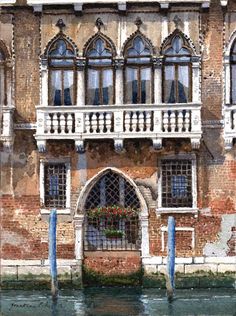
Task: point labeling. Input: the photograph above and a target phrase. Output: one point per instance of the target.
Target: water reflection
(119, 302)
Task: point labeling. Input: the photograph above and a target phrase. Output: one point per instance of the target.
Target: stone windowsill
(176, 210)
(59, 212)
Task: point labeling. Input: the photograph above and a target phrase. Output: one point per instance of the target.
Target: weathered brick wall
(24, 233)
(113, 263)
(27, 75)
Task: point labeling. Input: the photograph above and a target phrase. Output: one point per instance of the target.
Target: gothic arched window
(62, 73)
(138, 71)
(177, 72)
(233, 73)
(99, 72)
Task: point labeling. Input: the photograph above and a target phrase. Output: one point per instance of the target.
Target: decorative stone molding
(119, 145)
(224, 3)
(41, 144)
(119, 62)
(157, 143)
(80, 63)
(79, 145)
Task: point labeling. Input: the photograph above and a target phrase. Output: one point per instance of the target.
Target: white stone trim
(165, 229)
(78, 224)
(43, 162)
(192, 209)
(7, 2)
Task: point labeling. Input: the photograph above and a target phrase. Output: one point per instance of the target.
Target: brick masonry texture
(24, 230)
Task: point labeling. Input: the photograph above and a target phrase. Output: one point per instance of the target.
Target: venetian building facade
(126, 104)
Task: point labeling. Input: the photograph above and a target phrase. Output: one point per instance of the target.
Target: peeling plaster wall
(220, 248)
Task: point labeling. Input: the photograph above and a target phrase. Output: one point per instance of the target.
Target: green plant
(114, 211)
(113, 233)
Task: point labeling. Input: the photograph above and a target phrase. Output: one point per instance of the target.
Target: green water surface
(119, 302)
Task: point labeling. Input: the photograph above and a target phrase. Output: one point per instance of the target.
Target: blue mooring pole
(170, 284)
(53, 252)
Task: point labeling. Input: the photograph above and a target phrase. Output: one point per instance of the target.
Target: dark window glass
(138, 73)
(100, 88)
(62, 74)
(55, 185)
(177, 183)
(177, 73)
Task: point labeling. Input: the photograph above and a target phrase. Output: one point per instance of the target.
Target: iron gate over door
(112, 215)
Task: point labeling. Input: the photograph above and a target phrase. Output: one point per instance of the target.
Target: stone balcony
(230, 125)
(118, 123)
(6, 126)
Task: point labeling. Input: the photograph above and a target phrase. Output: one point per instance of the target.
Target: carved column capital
(80, 63)
(119, 62)
(157, 62)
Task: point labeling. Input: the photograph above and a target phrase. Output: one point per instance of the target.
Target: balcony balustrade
(118, 123)
(230, 125)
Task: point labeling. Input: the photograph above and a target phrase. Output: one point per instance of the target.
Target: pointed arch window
(138, 86)
(112, 215)
(233, 73)
(62, 74)
(100, 73)
(2, 78)
(177, 72)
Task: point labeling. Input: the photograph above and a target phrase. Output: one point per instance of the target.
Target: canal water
(119, 302)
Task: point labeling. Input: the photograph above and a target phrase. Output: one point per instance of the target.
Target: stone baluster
(141, 121)
(180, 121)
(69, 123)
(108, 121)
(148, 121)
(165, 121)
(48, 123)
(94, 123)
(55, 123)
(127, 121)
(62, 123)
(134, 122)
(87, 123)
(172, 121)
(187, 121)
(101, 122)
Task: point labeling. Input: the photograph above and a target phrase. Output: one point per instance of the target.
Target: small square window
(176, 185)
(55, 185)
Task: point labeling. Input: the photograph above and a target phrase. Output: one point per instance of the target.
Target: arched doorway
(115, 223)
(112, 212)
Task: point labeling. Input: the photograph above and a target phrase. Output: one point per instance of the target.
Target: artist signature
(37, 305)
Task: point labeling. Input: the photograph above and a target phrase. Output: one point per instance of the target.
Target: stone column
(119, 83)
(77, 271)
(157, 62)
(78, 224)
(196, 96)
(44, 82)
(227, 80)
(145, 236)
(80, 81)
